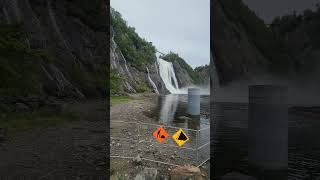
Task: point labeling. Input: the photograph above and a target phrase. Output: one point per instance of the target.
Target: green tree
(137, 51)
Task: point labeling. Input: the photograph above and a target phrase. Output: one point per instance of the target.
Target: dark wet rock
(3, 134)
(21, 107)
(137, 160)
(184, 118)
(236, 176)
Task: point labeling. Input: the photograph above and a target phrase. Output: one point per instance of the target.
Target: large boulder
(186, 172)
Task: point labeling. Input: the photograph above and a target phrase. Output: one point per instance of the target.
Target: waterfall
(152, 83)
(168, 76)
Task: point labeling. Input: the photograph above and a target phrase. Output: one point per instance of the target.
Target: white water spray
(168, 76)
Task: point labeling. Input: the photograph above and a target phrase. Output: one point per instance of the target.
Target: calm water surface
(229, 141)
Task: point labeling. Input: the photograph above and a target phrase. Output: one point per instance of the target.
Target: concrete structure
(268, 127)
(194, 101)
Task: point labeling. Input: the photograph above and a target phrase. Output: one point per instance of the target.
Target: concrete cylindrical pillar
(268, 127)
(194, 101)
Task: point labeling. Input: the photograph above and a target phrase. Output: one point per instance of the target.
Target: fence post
(197, 144)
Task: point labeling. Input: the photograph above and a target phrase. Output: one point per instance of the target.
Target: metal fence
(127, 143)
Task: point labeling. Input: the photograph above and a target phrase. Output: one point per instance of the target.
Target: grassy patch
(15, 122)
(120, 99)
(142, 87)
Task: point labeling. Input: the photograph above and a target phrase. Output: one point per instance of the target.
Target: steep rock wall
(77, 48)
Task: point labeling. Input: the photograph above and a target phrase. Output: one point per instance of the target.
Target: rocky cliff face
(235, 53)
(133, 79)
(183, 78)
(63, 32)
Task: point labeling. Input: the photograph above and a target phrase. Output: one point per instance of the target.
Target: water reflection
(168, 108)
(173, 111)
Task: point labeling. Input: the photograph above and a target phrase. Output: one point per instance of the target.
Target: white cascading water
(152, 83)
(169, 79)
(168, 76)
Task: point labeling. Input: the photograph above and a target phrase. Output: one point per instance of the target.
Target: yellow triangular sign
(180, 137)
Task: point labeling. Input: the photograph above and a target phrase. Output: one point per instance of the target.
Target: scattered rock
(172, 157)
(118, 144)
(132, 147)
(184, 118)
(21, 107)
(147, 174)
(186, 172)
(137, 160)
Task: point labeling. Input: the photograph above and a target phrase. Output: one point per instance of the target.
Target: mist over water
(301, 90)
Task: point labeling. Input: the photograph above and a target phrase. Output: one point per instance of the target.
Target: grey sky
(181, 26)
(269, 9)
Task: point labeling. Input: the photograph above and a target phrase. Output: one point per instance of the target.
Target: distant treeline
(272, 41)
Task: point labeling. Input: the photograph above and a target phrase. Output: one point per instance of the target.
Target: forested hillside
(53, 49)
(135, 49)
(243, 44)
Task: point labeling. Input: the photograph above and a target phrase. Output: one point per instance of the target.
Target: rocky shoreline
(142, 146)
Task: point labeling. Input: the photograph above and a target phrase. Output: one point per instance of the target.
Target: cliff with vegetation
(245, 46)
(53, 49)
(134, 66)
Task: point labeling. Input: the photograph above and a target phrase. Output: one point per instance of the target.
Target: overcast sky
(181, 26)
(269, 9)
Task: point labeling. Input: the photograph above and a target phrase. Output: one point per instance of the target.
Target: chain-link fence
(130, 139)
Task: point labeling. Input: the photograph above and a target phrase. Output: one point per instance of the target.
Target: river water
(172, 113)
(229, 142)
(229, 135)
(172, 107)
